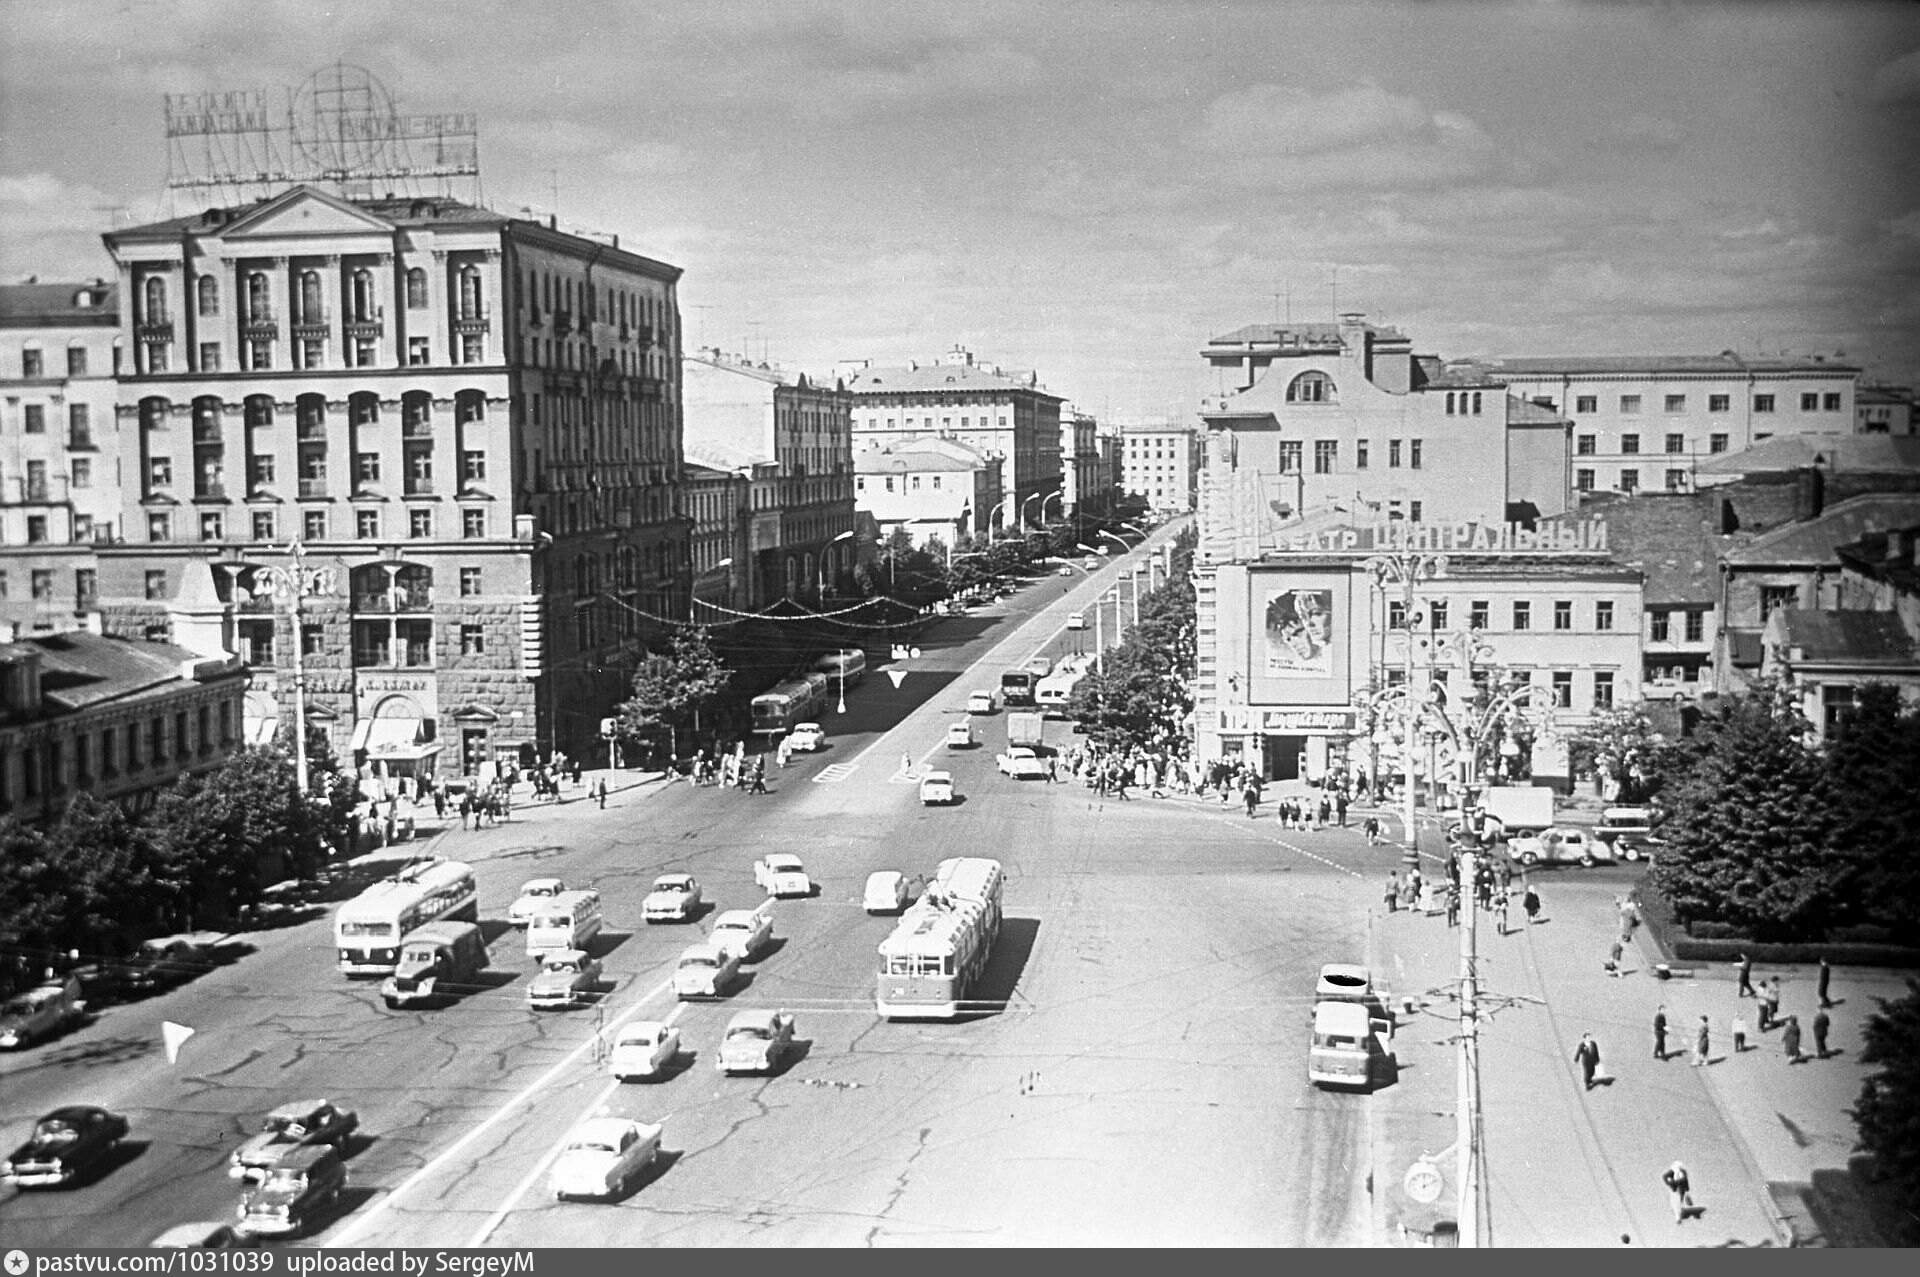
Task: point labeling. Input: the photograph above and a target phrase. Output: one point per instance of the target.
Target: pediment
(304, 211)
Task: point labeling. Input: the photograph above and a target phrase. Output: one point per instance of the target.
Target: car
(567, 978)
(981, 702)
(936, 789)
(1021, 763)
(1092, 564)
(163, 963)
(306, 1183)
(674, 898)
(782, 874)
(704, 971)
(205, 1234)
(806, 737)
(40, 1012)
(1076, 620)
(534, 893)
(299, 1124)
(1066, 569)
(1636, 847)
(960, 735)
(603, 1156)
(743, 932)
(1559, 845)
(755, 1042)
(643, 1049)
(66, 1145)
(887, 891)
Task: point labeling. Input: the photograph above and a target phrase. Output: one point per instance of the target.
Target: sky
(1092, 190)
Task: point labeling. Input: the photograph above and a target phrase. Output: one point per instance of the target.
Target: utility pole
(1467, 1172)
(1407, 568)
(294, 584)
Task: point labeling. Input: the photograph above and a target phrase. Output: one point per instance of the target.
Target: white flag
(174, 1035)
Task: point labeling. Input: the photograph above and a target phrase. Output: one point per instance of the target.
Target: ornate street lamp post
(294, 583)
(1406, 569)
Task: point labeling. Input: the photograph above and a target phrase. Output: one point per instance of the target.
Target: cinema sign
(1585, 536)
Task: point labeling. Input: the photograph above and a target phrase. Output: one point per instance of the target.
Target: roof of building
(81, 668)
(925, 454)
(1673, 537)
(1882, 454)
(1851, 636)
(63, 304)
(1525, 412)
(952, 377)
(1882, 395)
(1813, 542)
(1885, 556)
(1726, 363)
(1309, 334)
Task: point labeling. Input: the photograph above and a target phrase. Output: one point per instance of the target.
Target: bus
(1017, 687)
(1052, 692)
(792, 701)
(369, 928)
(843, 668)
(939, 948)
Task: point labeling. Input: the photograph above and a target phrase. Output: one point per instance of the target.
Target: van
(1349, 1045)
(1615, 821)
(843, 668)
(437, 963)
(41, 1012)
(302, 1186)
(568, 921)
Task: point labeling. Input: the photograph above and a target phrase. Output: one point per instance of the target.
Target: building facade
(931, 488)
(1883, 410)
(1080, 474)
(469, 424)
(1159, 462)
(59, 460)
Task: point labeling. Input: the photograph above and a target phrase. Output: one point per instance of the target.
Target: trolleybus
(799, 699)
(939, 948)
(368, 929)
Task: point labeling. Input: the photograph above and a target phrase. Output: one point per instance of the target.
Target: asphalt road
(1144, 1084)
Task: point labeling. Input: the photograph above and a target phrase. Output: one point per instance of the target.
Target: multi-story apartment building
(59, 468)
(933, 488)
(1080, 462)
(1004, 416)
(1883, 410)
(794, 438)
(1159, 462)
(716, 503)
(469, 423)
(1645, 421)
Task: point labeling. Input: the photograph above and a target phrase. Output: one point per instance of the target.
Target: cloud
(38, 212)
(1277, 119)
(1907, 224)
(1898, 80)
(1641, 131)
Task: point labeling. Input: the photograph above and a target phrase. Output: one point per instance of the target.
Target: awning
(388, 736)
(260, 731)
(408, 753)
(360, 730)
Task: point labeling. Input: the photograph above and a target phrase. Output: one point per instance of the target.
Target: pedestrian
(1587, 1056)
(1820, 1025)
(1660, 1033)
(1053, 770)
(1746, 979)
(1251, 797)
(1613, 958)
(600, 792)
(1702, 1043)
(1826, 975)
(1393, 891)
(1453, 904)
(906, 762)
(1790, 1040)
(1500, 910)
(1340, 807)
(1739, 1028)
(439, 802)
(466, 808)
(1679, 1192)
(1772, 1004)
(575, 770)
(1531, 903)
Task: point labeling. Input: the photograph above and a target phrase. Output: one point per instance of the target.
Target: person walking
(1251, 797)
(1587, 1056)
(1702, 1042)
(1340, 807)
(1053, 770)
(1660, 1033)
(759, 785)
(1679, 1192)
(1820, 1026)
(1500, 909)
(1453, 904)
(1531, 903)
(466, 808)
(1826, 976)
(1739, 1028)
(1790, 1041)
(439, 802)
(1772, 1016)
(1613, 958)
(1393, 892)
(600, 792)
(1746, 979)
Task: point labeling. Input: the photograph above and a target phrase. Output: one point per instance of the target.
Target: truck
(1025, 728)
(1509, 811)
(437, 962)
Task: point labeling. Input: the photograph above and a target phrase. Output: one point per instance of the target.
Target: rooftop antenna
(553, 186)
(1336, 293)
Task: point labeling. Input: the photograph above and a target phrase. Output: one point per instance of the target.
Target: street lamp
(990, 519)
(820, 590)
(842, 663)
(1023, 511)
(694, 597)
(1407, 568)
(1060, 492)
(1124, 547)
(294, 584)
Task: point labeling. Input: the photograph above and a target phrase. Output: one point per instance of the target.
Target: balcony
(264, 327)
(365, 328)
(156, 330)
(396, 600)
(468, 324)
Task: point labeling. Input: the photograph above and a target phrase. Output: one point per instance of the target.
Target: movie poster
(1299, 629)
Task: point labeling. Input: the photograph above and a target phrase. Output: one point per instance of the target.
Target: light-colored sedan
(743, 932)
(936, 789)
(782, 875)
(705, 971)
(603, 1156)
(887, 891)
(756, 1042)
(1021, 763)
(568, 978)
(981, 702)
(535, 893)
(806, 737)
(643, 1049)
(674, 898)
(1076, 620)
(960, 735)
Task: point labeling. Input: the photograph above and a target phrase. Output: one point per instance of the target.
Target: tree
(1622, 745)
(209, 833)
(1888, 1111)
(100, 856)
(1876, 807)
(670, 688)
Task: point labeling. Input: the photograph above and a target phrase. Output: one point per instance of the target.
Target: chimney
(1809, 495)
(1729, 521)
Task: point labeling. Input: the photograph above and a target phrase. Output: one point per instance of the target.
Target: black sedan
(66, 1145)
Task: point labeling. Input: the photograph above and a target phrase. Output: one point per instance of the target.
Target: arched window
(259, 298)
(310, 416)
(364, 305)
(1476, 403)
(208, 289)
(470, 292)
(1310, 387)
(257, 411)
(154, 413)
(312, 306)
(1449, 403)
(416, 288)
(470, 406)
(363, 409)
(156, 300)
(206, 419)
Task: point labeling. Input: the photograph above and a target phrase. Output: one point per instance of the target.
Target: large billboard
(1299, 633)
(1300, 626)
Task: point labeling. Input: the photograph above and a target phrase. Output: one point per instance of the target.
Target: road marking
(363, 1222)
(834, 773)
(1281, 842)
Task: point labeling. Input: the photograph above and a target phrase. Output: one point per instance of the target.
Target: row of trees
(1145, 690)
(101, 878)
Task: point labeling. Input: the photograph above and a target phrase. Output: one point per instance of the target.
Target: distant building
(1884, 410)
(930, 488)
(1087, 490)
(717, 506)
(60, 465)
(1159, 462)
(1826, 657)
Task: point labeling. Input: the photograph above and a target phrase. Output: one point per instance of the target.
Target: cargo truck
(1510, 811)
(1025, 728)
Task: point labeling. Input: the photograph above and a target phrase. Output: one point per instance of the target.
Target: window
(1396, 614)
(1775, 597)
(159, 358)
(1716, 443)
(1719, 403)
(81, 472)
(1676, 443)
(1437, 611)
(469, 583)
(366, 467)
(1326, 454)
(1763, 403)
(207, 292)
(1603, 689)
(263, 525)
(1393, 454)
(366, 524)
(1583, 480)
(1629, 404)
(473, 523)
(1413, 454)
(1830, 403)
(1563, 614)
(77, 364)
(417, 352)
(36, 523)
(1676, 403)
(365, 352)
(313, 525)
(1676, 481)
(156, 583)
(259, 354)
(473, 640)
(1310, 387)
(1563, 689)
(1658, 624)
(1522, 615)
(469, 293)
(159, 526)
(30, 364)
(33, 419)
(416, 288)
(1585, 445)
(1479, 614)
(313, 639)
(1630, 444)
(1360, 454)
(1696, 623)
(209, 356)
(43, 583)
(472, 348)
(1809, 401)
(1629, 481)
(259, 299)
(1290, 456)
(3, 585)
(1603, 614)
(1586, 403)
(82, 528)
(420, 525)
(1414, 509)
(213, 526)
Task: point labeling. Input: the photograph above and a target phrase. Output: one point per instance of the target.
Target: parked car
(603, 1156)
(67, 1144)
(981, 702)
(643, 1049)
(756, 1041)
(743, 932)
(300, 1124)
(306, 1184)
(806, 737)
(205, 1234)
(782, 875)
(887, 891)
(705, 971)
(1559, 845)
(568, 978)
(163, 963)
(960, 735)
(674, 898)
(1076, 620)
(936, 789)
(1021, 763)
(534, 893)
(40, 1013)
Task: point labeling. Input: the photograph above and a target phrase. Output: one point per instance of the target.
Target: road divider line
(1281, 842)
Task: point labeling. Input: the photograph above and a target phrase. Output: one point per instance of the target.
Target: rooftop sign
(1588, 536)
